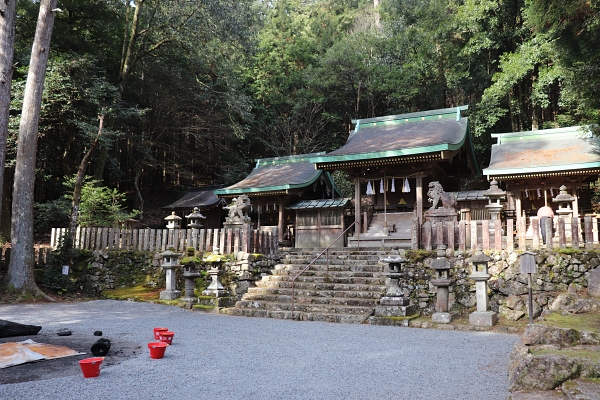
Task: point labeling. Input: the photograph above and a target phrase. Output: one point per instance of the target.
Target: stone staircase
(345, 291)
(399, 232)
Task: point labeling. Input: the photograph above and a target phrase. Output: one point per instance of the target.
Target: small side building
(277, 182)
(319, 223)
(207, 202)
(533, 165)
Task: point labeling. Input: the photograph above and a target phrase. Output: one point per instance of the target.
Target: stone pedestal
(215, 288)
(441, 215)
(483, 318)
(441, 318)
(170, 293)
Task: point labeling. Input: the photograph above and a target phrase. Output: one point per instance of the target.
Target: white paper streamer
(369, 188)
(381, 186)
(393, 186)
(406, 186)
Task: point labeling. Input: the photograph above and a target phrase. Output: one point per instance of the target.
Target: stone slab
(483, 318)
(395, 311)
(170, 294)
(394, 301)
(441, 318)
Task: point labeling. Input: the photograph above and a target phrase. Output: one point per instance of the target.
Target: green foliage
(100, 205)
(343, 183)
(52, 214)
(53, 276)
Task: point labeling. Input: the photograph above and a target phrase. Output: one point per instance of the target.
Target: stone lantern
(394, 304)
(494, 194)
(564, 200)
(481, 317)
(173, 221)
(442, 282)
(170, 264)
(194, 219)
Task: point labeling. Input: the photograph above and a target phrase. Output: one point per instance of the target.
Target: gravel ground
(225, 357)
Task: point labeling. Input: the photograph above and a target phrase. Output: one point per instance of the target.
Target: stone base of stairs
(392, 321)
(378, 242)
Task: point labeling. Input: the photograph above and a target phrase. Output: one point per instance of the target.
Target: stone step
(298, 315)
(308, 297)
(305, 307)
(323, 278)
(331, 267)
(253, 293)
(323, 273)
(310, 285)
(372, 260)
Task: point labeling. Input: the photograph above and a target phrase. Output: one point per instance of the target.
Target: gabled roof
(324, 203)
(413, 137)
(548, 152)
(202, 197)
(277, 175)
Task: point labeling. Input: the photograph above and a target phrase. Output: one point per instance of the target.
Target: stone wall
(556, 272)
(96, 271)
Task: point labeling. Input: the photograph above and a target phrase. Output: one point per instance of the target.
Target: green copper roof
(279, 174)
(543, 151)
(402, 135)
(321, 203)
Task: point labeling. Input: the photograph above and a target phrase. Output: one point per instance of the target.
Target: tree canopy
(194, 91)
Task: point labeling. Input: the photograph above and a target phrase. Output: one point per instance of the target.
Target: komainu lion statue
(436, 193)
(238, 209)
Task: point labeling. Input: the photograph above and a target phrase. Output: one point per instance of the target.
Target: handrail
(316, 258)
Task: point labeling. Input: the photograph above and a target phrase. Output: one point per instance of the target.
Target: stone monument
(238, 212)
(447, 211)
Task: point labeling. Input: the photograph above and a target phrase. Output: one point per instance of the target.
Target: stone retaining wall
(96, 271)
(557, 272)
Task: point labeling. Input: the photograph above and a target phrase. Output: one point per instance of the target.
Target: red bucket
(157, 330)
(166, 337)
(157, 349)
(91, 366)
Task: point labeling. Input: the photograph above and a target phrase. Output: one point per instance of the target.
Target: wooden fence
(226, 241)
(510, 234)
(40, 257)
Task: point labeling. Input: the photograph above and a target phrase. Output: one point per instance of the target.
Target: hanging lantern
(369, 188)
(381, 187)
(406, 186)
(393, 186)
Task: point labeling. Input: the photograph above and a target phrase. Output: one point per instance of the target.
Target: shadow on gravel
(120, 350)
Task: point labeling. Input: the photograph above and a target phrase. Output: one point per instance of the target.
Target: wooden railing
(522, 233)
(226, 240)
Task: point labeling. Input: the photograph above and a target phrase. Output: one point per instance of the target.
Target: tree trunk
(7, 45)
(20, 269)
(81, 177)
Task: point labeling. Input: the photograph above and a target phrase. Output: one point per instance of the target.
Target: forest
(191, 92)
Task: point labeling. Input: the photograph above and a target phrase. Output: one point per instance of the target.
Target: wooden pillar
(280, 229)
(357, 214)
(419, 193)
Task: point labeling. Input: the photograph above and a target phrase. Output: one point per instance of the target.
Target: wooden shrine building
(533, 165)
(392, 159)
(207, 202)
(278, 182)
